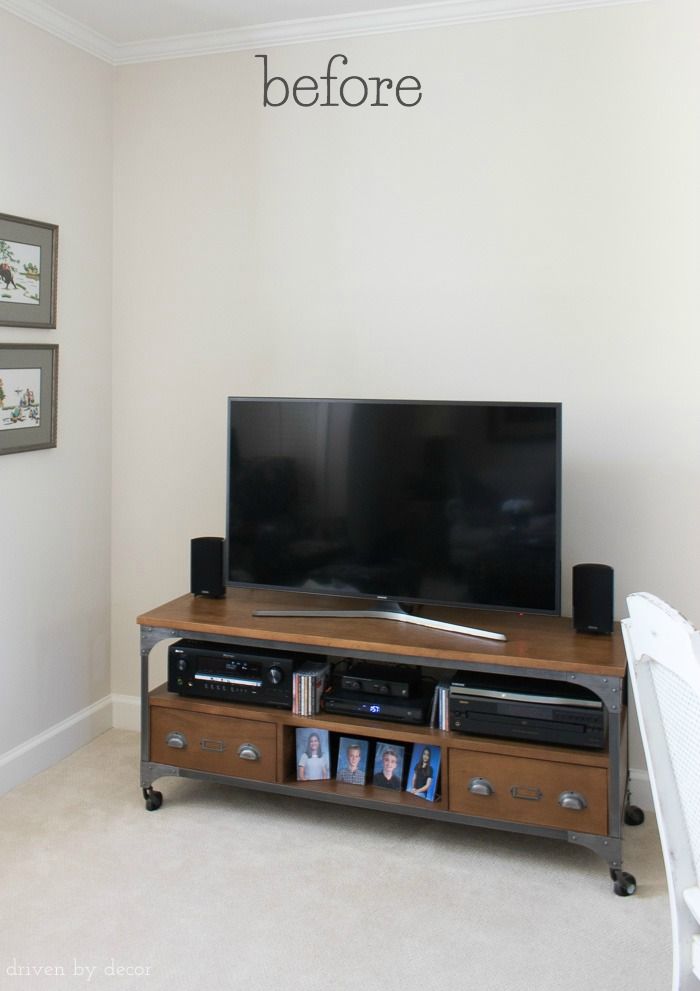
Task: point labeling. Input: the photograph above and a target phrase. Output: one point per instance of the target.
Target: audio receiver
(399, 681)
(231, 674)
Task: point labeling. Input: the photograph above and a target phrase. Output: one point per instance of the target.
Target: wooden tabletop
(548, 642)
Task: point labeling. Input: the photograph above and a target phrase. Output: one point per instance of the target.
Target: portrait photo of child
(388, 766)
(313, 755)
(423, 771)
(352, 761)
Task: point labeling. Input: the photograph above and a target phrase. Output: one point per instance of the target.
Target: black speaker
(593, 598)
(207, 567)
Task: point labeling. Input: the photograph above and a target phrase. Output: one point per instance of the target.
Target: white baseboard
(126, 712)
(47, 748)
(640, 790)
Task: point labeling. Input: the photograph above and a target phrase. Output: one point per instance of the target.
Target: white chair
(663, 650)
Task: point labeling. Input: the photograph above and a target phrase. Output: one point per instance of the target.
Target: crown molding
(408, 18)
(61, 26)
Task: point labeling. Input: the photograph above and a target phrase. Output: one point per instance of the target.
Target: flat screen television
(402, 502)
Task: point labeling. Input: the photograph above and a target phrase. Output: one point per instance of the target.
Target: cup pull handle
(480, 786)
(247, 751)
(573, 800)
(176, 740)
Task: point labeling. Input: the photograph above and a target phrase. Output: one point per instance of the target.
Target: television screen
(410, 502)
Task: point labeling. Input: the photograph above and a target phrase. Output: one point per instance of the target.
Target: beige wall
(56, 166)
(528, 232)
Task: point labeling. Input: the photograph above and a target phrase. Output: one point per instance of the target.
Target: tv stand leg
(624, 884)
(610, 849)
(153, 798)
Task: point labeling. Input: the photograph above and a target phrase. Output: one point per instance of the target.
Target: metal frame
(610, 691)
(45, 237)
(43, 357)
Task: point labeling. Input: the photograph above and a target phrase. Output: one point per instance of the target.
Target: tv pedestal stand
(550, 790)
(390, 611)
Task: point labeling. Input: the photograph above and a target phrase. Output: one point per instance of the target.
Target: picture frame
(313, 754)
(351, 768)
(28, 272)
(388, 765)
(424, 771)
(28, 397)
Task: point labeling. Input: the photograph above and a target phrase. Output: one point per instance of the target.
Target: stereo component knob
(275, 675)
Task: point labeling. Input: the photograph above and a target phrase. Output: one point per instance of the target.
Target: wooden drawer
(241, 748)
(537, 792)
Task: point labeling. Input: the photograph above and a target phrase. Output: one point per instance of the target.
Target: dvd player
(551, 712)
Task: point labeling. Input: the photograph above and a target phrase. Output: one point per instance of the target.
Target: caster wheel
(634, 816)
(625, 884)
(154, 799)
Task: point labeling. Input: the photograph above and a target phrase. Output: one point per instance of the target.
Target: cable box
(393, 710)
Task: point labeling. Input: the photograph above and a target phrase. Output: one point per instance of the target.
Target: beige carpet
(223, 888)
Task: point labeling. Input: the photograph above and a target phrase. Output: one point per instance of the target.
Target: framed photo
(28, 272)
(352, 761)
(388, 766)
(423, 771)
(313, 755)
(28, 392)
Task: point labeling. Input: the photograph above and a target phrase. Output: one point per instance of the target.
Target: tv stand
(390, 611)
(523, 786)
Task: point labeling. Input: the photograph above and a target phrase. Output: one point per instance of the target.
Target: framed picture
(352, 761)
(313, 755)
(28, 272)
(28, 390)
(388, 766)
(423, 771)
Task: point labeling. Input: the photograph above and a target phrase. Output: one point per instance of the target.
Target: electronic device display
(231, 674)
(394, 710)
(401, 681)
(450, 503)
